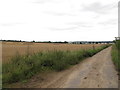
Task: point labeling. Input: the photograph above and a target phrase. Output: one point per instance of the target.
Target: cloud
(81, 24)
(109, 22)
(73, 26)
(99, 8)
(59, 13)
(68, 28)
(43, 1)
(53, 18)
(10, 24)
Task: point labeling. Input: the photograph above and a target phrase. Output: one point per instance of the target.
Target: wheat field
(10, 49)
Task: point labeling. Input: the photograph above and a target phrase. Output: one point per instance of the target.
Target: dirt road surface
(94, 72)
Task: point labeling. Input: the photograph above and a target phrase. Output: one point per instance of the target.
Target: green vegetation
(116, 54)
(24, 67)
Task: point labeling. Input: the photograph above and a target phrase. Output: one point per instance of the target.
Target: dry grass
(10, 49)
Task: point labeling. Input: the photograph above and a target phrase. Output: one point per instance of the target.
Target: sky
(59, 20)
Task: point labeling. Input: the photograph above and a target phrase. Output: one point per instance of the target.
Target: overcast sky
(59, 20)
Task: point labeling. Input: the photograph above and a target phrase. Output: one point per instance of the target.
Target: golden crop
(10, 49)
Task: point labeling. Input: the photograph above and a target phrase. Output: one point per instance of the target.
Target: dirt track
(95, 72)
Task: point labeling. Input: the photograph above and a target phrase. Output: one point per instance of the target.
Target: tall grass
(116, 54)
(24, 67)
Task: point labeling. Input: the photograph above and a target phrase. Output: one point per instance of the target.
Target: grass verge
(24, 67)
(116, 54)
